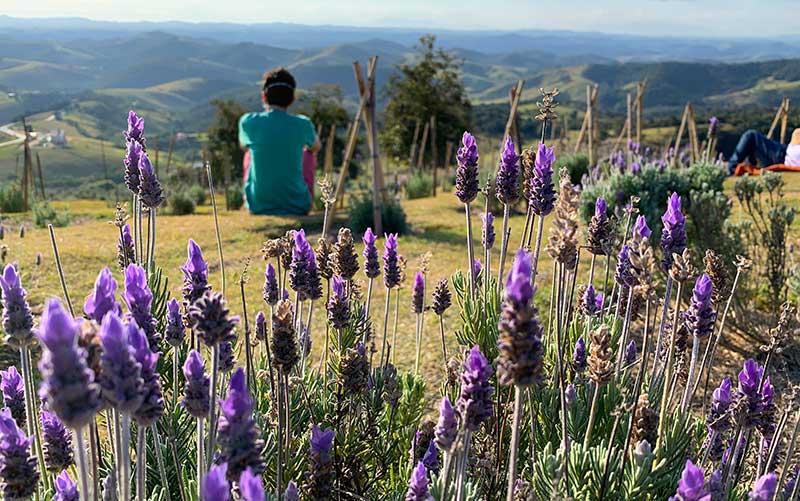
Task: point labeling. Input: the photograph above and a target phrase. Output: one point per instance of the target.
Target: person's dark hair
(279, 87)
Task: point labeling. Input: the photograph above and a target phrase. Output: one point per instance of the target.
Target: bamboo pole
(693, 135)
(434, 152)
(516, 95)
(423, 144)
(628, 122)
(413, 153)
(41, 178)
(777, 118)
(640, 87)
(784, 119)
(328, 163)
(590, 124)
(678, 139)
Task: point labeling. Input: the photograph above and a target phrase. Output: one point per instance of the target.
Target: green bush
(44, 214)
(393, 218)
(576, 165)
(11, 199)
(420, 185)
(235, 197)
(181, 203)
(197, 193)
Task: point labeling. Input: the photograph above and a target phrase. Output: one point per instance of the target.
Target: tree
(429, 85)
(222, 148)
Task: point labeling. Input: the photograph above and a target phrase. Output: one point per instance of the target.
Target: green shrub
(393, 218)
(181, 203)
(576, 165)
(44, 214)
(11, 199)
(235, 197)
(420, 185)
(197, 193)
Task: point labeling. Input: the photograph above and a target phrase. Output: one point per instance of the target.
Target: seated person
(755, 147)
(277, 141)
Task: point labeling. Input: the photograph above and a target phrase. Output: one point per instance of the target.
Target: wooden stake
(41, 178)
(516, 95)
(413, 153)
(778, 116)
(640, 87)
(434, 152)
(423, 146)
(328, 163)
(682, 127)
(784, 119)
(590, 123)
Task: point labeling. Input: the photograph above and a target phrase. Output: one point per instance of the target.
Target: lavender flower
(250, 486)
(640, 228)
(447, 426)
(673, 234)
(135, 130)
(152, 407)
(507, 179)
(131, 161)
(239, 442)
(372, 267)
(700, 316)
(764, 488)
(283, 343)
(68, 385)
(467, 171)
(391, 266)
(630, 353)
(56, 443)
(195, 275)
(487, 231)
(121, 376)
(271, 289)
(543, 194)
(476, 270)
(521, 354)
(215, 485)
(624, 273)
(126, 252)
(600, 229)
(579, 363)
(103, 297)
(13, 390)
(418, 294)
(150, 191)
(303, 275)
(208, 316)
(418, 485)
(17, 316)
(338, 305)
(749, 382)
(718, 419)
(139, 300)
(591, 302)
(570, 395)
(175, 330)
(226, 358)
(291, 493)
(18, 474)
(442, 298)
(319, 477)
(690, 486)
(66, 490)
(431, 458)
(261, 327)
(196, 391)
(475, 399)
(713, 125)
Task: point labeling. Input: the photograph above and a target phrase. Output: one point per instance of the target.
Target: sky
(703, 18)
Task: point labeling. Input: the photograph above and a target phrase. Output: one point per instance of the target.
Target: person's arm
(316, 146)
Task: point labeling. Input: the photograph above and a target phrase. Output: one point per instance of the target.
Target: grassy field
(90, 243)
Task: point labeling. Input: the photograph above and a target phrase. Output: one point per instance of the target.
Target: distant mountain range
(174, 69)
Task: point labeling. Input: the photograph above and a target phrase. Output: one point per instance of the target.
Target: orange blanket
(745, 168)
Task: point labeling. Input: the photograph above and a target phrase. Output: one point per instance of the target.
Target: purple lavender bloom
(641, 229)
(717, 419)
(476, 270)
(152, 407)
(418, 485)
(291, 493)
(579, 356)
(338, 305)
(271, 289)
(321, 441)
(764, 488)
(239, 442)
(750, 378)
(372, 267)
(56, 443)
(431, 458)
(135, 130)
(418, 294)
(624, 271)
(126, 252)
(103, 297)
(195, 274)
(673, 234)
(175, 330)
(543, 194)
(19, 476)
(215, 485)
(713, 125)
(251, 487)
(630, 353)
(600, 207)
(487, 230)
(150, 192)
(196, 392)
(507, 178)
(570, 395)
(636, 168)
(121, 375)
(588, 304)
(17, 316)
(209, 318)
(447, 426)
(66, 490)
(304, 275)
(261, 326)
(691, 485)
(13, 389)
(391, 267)
(518, 284)
(700, 316)
(319, 477)
(131, 161)
(475, 399)
(68, 385)
(139, 300)
(466, 187)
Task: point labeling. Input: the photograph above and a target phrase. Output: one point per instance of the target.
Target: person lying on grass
(279, 146)
(755, 148)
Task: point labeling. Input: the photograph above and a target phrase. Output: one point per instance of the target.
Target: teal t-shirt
(275, 178)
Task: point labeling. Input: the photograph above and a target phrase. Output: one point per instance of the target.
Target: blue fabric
(755, 148)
